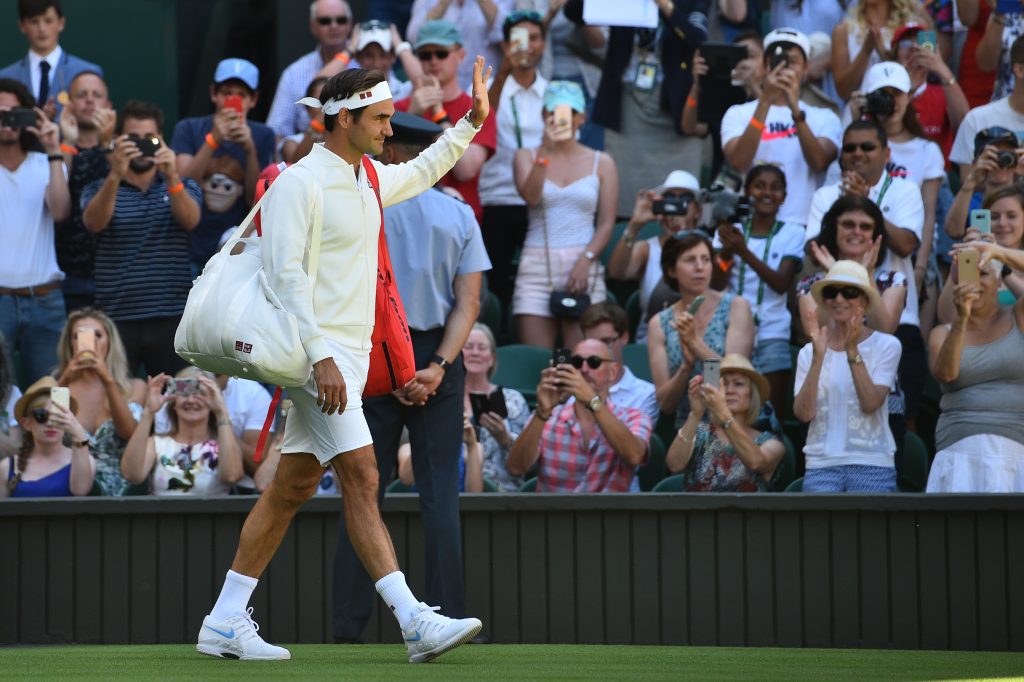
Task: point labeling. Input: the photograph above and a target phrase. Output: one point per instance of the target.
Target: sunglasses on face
(327, 21)
(427, 55)
(851, 147)
(218, 180)
(41, 415)
(593, 361)
(849, 293)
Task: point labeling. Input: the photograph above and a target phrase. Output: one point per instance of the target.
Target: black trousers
(435, 435)
(504, 229)
(150, 342)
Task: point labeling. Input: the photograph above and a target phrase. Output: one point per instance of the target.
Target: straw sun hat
(847, 273)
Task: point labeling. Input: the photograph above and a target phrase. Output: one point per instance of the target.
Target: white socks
(234, 596)
(397, 595)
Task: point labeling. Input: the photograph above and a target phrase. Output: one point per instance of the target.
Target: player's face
(373, 127)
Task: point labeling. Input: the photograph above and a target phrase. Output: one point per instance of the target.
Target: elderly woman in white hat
(843, 378)
(726, 454)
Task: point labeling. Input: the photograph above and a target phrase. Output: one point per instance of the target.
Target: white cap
(381, 36)
(886, 75)
(821, 44)
(788, 35)
(679, 179)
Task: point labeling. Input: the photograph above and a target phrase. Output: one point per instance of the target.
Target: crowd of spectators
(820, 203)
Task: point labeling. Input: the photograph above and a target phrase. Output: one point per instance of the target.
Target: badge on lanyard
(646, 73)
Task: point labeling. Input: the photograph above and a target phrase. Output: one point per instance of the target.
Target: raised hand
(481, 105)
(68, 126)
(695, 392)
(155, 398)
(965, 295)
(46, 131)
(821, 254)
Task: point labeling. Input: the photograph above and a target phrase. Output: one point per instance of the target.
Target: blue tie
(44, 82)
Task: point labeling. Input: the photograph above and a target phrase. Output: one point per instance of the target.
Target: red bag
(392, 363)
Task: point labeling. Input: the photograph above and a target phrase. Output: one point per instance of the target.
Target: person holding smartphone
(54, 459)
(1005, 25)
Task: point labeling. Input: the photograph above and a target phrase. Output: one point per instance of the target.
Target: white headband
(378, 93)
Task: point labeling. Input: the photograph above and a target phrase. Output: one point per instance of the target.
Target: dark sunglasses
(427, 55)
(851, 147)
(327, 21)
(521, 15)
(41, 415)
(849, 293)
(593, 361)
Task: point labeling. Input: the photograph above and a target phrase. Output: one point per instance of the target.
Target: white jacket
(340, 306)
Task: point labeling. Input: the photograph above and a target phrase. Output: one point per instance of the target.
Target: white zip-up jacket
(340, 305)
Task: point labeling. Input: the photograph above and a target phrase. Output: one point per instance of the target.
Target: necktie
(44, 82)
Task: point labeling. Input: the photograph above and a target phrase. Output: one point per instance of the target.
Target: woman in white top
(843, 379)
(198, 456)
(571, 192)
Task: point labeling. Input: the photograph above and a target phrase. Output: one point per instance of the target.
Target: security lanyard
(747, 229)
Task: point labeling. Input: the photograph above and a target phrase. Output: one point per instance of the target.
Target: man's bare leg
(357, 472)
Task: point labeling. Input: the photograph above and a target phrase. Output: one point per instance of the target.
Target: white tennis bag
(235, 324)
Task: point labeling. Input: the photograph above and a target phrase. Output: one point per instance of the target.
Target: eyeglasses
(593, 361)
(427, 55)
(521, 15)
(854, 225)
(41, 415)
(849, 292)
(851, 147)
(327, 21)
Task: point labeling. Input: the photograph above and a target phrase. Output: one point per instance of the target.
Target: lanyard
(515, 117)
(748, 227)
(885, 188)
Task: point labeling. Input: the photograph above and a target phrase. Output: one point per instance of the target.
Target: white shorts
(308, 429)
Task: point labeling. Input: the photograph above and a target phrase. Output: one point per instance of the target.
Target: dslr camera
(880, 104)
(673, 205)
(724, 199)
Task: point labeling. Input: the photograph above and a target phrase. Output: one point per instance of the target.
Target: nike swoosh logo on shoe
(417, 638)
(230, 634)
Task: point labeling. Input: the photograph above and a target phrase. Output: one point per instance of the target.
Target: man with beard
(33, 194)
(142, 211)
(87, 128)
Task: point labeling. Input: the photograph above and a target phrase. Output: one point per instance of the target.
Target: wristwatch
(440, 362)
(855, 360)
(80, 443)
(801, 117)
(589, 255)
(595, 403)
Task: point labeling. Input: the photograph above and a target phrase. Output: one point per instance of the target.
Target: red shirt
(976, 84)
(931, 112)
(487, 138)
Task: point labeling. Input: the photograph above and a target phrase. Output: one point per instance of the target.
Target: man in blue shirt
(226, 132)
(439, 258)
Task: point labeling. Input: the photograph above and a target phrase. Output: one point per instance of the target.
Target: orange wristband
(68, 149)
(174, 189)
(757, 124)
(542, 161)
(439, 116)
(317, 126)
(212, 142)
(691, 102)
(723, 264)
(343, 58)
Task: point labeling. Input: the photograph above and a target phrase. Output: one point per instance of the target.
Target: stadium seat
(490, 486)
(672, 484)
(519, 367)
(915, 464)
(787, 467)
(797, 486)
(529, 485)
(635, 357)
(633, 312)
(491, 313)
(137, 489)
(396, 486)
(653, 471)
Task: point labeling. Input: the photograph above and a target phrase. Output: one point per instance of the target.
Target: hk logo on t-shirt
(895, 170)
(778, 131)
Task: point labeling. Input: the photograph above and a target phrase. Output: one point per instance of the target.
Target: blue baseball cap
(564, 92)
(438, 32)
(237, 69)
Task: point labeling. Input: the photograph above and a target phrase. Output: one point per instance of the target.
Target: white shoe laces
(427, 619)
(255, 627)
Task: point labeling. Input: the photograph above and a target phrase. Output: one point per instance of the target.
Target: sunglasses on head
(521, 15)
(851, 147)
(593, 361)
(327, 21)
(427, 55)
(848, 292)
(41, 415)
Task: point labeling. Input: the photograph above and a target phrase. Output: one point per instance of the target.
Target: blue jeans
(850, 478)
(32, 325)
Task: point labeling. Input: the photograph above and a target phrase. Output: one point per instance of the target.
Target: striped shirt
(286, 117)
(568, 465)
(142, 264)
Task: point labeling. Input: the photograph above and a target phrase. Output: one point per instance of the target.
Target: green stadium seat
(650, 474)
(612, 298)
(635, 357)
(529, 485)
(490, 486)
(396, 486)
(519, 367)
(137, 489)
(634, 312)
(787, 467)
(672, 484)
(491, 313)
(797, 486)
(915, 464)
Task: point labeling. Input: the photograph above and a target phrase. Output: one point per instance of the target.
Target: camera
(880, 103)
(18, 118)
(672, 206)
(723, 197)
(1006, 159)
(778, 56)
(146, 145)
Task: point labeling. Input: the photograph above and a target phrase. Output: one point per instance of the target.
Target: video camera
(724, 199)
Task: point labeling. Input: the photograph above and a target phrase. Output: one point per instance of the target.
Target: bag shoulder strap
(383, 257)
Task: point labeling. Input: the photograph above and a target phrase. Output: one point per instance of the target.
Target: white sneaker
(430, 634)
(236, 638)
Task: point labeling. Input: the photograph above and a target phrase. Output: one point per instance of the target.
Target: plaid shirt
(568, 465)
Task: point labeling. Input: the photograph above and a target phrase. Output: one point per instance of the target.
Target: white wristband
(402, 47)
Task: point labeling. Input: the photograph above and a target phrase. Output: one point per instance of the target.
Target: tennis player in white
(335, 316)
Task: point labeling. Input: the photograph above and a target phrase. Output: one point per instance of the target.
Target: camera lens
(880, 103)
(1006, 159)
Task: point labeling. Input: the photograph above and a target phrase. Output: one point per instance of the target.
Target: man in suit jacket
(47, 70)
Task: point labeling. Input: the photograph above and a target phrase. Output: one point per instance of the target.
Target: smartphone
(233, 102)
(18, 118)
(967, 265)
(561, 356)
(697, 303)
(670, 206)
(778, 56)
(184, 388)
(563, 121)
(86, 337)
(981, 220)
(519, 37)
(146, 145)
(713, 372)
(927, 40)
(61, 395)
(482, 402)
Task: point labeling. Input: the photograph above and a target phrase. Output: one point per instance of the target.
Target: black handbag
(564, 304)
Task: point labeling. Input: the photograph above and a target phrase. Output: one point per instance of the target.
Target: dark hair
(522, 16)
(605, 311)
(140, 111)
(314, 84)
(749, 34)
(676, 247)
(761, 169)
(26, 101)
(846, 204)
(346, 84)
(910, 121)
(1017, 51)
(869, 124)
(33, 8)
